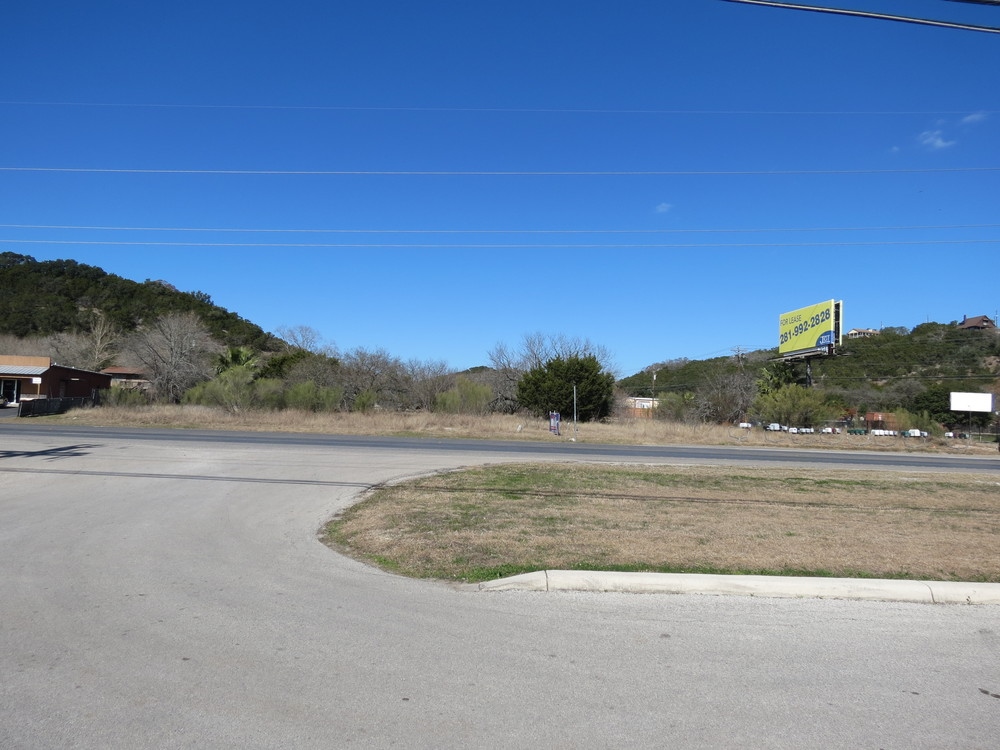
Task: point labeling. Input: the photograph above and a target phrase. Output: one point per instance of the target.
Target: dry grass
(494, 521)
(498, 427)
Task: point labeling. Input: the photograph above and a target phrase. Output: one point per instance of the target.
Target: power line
(499, 173)
(505, 245)
(500, 231)
(870, 14)
(490, 110)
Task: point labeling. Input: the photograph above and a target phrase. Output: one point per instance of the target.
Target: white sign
(972, 402)
(36, 381)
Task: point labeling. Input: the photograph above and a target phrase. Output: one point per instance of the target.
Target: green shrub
(118, 396)
(308, 396)
(467, 397)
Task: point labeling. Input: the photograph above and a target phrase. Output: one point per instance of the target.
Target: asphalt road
(166, 589)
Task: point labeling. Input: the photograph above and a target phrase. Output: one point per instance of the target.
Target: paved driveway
(172, 593)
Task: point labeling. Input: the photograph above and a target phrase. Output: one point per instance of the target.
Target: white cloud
(664, 208)
(934, 139)
(974, 118)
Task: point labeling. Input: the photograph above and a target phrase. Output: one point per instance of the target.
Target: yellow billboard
(813, 328)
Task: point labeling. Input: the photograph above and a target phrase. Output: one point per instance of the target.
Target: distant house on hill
(27, 378)
(861, 333)
(978, 323)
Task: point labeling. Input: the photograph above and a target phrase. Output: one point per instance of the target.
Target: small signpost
(554, 422)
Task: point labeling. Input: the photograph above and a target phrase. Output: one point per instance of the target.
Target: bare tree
(425, 381)
(727, 396)
(176, 351)
(34, 346)
(506, 370)
(95, 349)
(322, 370)
(305, 338)
(372, 376)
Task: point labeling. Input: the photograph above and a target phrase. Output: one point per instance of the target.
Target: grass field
(485, 523)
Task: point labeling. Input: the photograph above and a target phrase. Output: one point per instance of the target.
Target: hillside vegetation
(39, 298)
(194, 351)
(906, 372)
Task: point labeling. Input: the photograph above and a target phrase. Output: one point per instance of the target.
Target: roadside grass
(490, 522)
(623, 431)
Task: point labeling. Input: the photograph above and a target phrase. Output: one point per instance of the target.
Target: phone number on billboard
(816, 320)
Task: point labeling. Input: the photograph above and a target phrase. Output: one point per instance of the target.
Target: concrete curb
(927, 592)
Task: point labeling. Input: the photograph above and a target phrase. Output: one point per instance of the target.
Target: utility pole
(740, 355)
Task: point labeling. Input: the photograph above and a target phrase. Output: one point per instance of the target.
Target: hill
(896, 370)
(40, 298)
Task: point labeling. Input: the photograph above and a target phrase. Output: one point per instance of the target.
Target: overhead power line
(498, 173)
(871, 14)
(499, 231)
(503, 245)
(493, 110)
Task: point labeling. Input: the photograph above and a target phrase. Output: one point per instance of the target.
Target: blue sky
(663, 178)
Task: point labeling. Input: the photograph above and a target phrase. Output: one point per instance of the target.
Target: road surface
(167, 589)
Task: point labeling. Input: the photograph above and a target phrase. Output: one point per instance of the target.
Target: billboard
(971, 401)
(810, 329)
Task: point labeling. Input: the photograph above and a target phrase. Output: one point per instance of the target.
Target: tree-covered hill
(39, 298)
(895, 370)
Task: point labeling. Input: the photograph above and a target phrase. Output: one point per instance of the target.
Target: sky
(661, 178)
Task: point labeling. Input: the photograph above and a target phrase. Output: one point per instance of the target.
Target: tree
(40, 298)
(727, 396)
(549, 387)
(509, 365)
(794, 405)
(372, 377)
(233, 389)
(305, 338)
(424, 382)
(308, 396)
(507, 369)
(466, 397)
(936, 402)
(676, 407)
(775, 375)
(302, 366)
(176, 351)
(282, 364)
(94, 349)
(236, 356)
